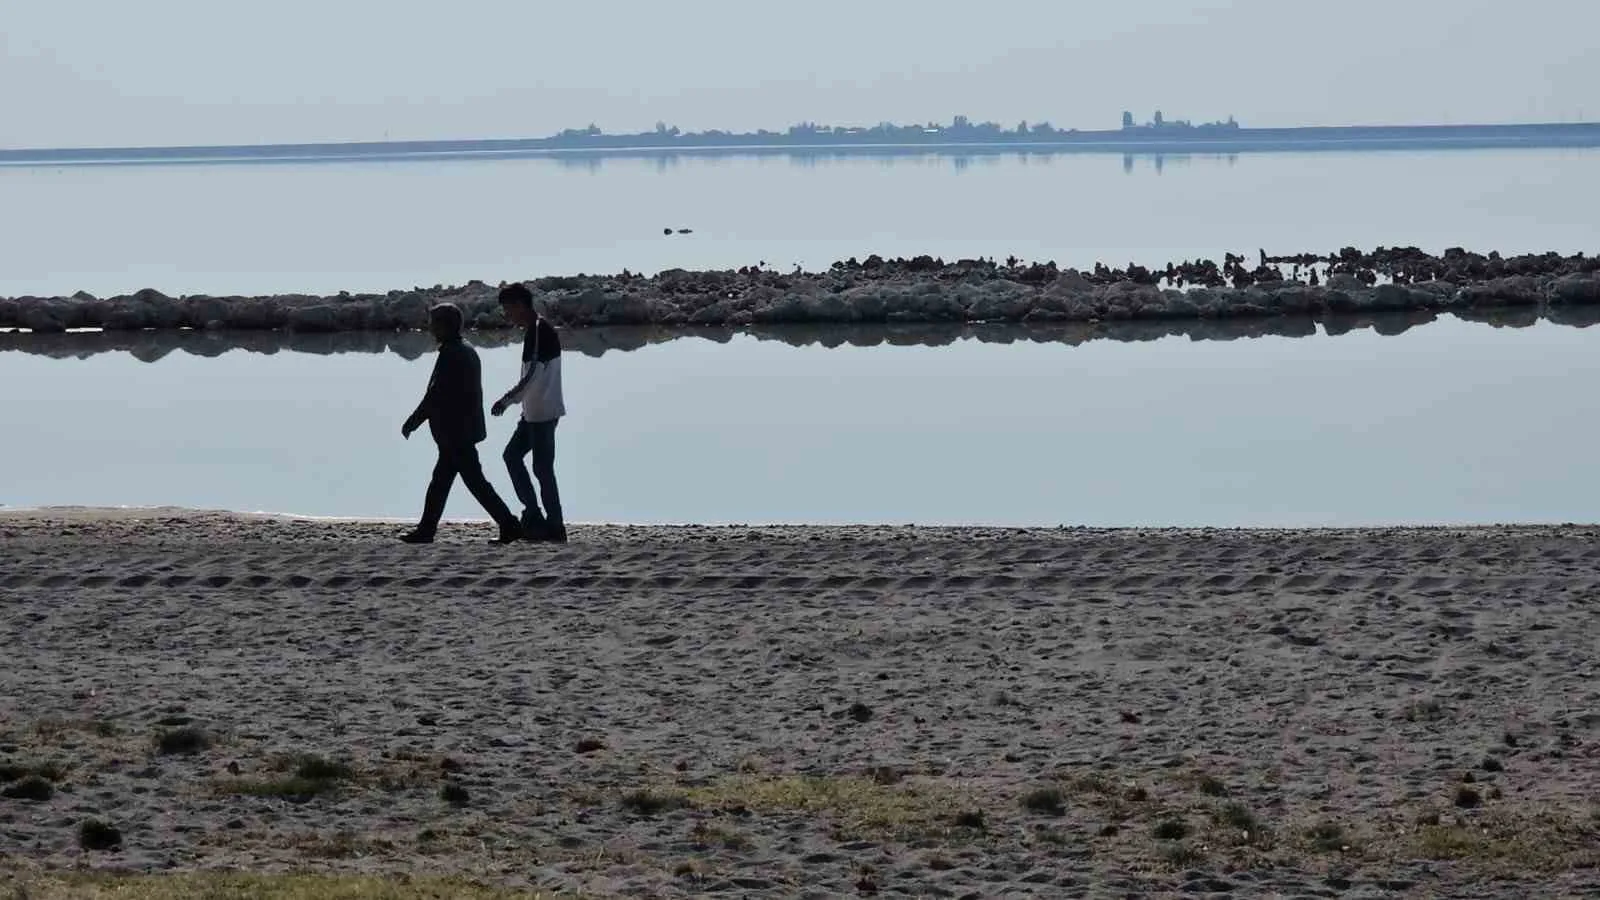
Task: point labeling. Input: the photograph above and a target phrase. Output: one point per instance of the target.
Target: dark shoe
(553, 534)
(510, 535)
(418, 537)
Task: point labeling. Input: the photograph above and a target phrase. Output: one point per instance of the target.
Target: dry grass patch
(306, 775)
(17, 771)
(209, 886)
(186, 741)
(855, 804)
(710, 835)
(292, 777)
(1504, 842)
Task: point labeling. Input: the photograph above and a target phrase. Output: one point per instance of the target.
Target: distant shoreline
(1142, 141)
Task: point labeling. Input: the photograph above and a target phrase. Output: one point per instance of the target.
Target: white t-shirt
(541, 395)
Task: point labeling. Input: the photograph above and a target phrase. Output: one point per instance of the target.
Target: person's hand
(406, 429)
(498, 407)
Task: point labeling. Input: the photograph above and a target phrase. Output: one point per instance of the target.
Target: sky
(173, 72)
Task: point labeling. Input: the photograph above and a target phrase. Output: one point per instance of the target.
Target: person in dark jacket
(453, 409)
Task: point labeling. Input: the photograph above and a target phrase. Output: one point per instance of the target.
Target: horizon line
(959, 126)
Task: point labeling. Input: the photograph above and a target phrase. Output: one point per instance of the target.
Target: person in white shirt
(539, 392)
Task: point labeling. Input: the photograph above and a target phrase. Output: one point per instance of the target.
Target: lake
(321, 228)
(1452, 421)
(1446, 422)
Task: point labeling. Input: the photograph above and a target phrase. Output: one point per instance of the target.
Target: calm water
(1450, 422)
(323, 228)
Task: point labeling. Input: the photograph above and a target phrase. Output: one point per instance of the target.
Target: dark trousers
(539, 439)
(461, 460)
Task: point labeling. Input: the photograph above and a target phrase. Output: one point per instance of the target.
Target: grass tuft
(653, 803)
(309, 776)
(95, 835)
(316, 768)
(1327, 837)
(49, 771)
(1046, 801)
(972, 818)
(1171, 830)
(31, 788)
(182, 742)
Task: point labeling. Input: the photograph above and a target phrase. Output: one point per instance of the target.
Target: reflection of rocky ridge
(150, 346)
(889, 292)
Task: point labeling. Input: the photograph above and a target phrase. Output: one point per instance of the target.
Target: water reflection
(150, 346)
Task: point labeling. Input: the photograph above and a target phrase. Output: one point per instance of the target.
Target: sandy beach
(807, 712)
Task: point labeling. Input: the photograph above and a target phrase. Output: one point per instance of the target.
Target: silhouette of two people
(453, 411)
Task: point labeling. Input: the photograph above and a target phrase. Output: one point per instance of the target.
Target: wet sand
(809, 711)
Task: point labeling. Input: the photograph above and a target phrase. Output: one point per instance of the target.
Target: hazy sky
(114, 72)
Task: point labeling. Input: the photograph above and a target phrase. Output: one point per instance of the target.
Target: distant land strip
(892, 292)
(958, 139)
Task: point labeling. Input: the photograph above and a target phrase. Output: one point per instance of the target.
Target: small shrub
(291, 788)
(1239, 817)
(1468, 798)
(1326, 837)
(17, 771)
(1137, 794)
(1046, 801)
(315, 768)
(971, 819)
(1182, 856)
(886, 775)
(182, 742)
(454, 794)
(590, 745)
(32, 788)
(1211, 786)
(95, 835)
(1171, 830)
(652, 803)
(1490, 764)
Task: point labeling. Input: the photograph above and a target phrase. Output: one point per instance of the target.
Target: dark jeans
(461, 460)
(538, 438)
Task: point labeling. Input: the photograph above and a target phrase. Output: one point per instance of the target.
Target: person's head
(517, 302)
(445, 322)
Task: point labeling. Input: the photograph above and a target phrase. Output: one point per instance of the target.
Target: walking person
(539, 392)
(453, 409)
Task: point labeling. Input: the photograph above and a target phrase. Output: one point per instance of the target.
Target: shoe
(510, 536)
(553, 534)
(417, 537)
